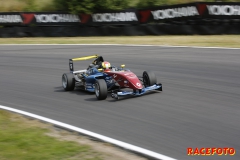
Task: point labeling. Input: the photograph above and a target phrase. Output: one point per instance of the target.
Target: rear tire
(68, 81)
(101, 89)
(149, 78)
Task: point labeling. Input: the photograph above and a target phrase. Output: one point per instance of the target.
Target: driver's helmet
(106, 65)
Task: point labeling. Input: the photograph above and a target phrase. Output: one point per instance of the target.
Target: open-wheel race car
(102, 78)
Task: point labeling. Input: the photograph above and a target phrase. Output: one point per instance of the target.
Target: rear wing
(71, 67)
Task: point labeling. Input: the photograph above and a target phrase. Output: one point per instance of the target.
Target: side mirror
(123, 65)
(100, 69)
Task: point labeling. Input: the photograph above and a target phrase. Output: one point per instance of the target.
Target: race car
(102, 78)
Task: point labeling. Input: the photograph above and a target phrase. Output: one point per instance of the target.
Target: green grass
(26, 5)
(21, 141)
(204, 41)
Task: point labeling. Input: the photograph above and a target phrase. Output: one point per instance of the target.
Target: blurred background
(86, 6)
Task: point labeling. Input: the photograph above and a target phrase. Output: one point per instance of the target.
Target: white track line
(92, 134)
(130, 45)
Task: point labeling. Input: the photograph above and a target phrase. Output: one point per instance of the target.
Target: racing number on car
(71, 66)
(114, 76)
(138, 84)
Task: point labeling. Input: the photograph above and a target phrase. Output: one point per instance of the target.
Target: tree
(90, 6)
(61, 5)
(101, 5)
(151, 3)
(81, 6)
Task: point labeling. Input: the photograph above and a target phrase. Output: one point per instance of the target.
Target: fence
(191, 18)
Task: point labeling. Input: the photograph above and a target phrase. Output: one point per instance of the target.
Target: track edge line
(130, 45)
(118, 143)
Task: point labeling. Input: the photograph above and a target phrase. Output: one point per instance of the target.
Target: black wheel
(101, 89)
(68, 81)
(149, 78)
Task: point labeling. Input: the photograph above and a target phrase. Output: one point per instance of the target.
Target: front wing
(138, 93)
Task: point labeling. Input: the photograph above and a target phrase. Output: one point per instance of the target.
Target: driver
(99, 63)
(106, 66)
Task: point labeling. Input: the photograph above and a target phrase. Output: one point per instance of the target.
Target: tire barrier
(128, 30)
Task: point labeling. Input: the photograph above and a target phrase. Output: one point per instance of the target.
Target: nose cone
(133, 80)
(138, 85)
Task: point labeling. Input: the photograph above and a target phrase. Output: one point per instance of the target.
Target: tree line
(88, 6)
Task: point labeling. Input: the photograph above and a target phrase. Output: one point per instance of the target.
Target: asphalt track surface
(199, 105)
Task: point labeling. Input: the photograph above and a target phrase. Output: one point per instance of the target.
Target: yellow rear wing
(85, 58)
(80, 59)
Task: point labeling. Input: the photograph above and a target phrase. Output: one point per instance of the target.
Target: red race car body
(126, 79)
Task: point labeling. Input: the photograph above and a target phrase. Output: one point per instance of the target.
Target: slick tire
(101, 89)
(149, 78)
(68, 81)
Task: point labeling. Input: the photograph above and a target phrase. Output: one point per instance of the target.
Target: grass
(24, 141)
(26, 5)
(207, 41)
(11, 5)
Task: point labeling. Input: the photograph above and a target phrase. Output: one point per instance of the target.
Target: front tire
(149, 78)
(68, 81)
(101, 89)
